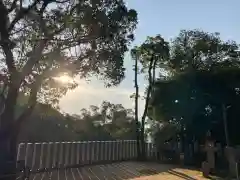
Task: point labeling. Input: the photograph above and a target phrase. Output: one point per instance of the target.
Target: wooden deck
(120, 171)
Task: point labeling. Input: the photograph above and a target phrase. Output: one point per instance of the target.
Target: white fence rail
(48, 155)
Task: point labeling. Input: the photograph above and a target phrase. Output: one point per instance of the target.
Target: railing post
(84, 153)
(124, 149)
(27, 154)
(101, 150)
(109, 150)
(34, 155)
(41, 166)
(156, 153)
(21, 151)
(97, 151)
(117, 151)
(48, 155)
(113, 150)
(133, 149)
(37, 151)
(128, 149)
(55, 153)
(152, 151)
(87, 152)
(105, 150)
(78, 153)
(93, 156)
(67, 145)
(90, 152)
(61, 163)
(73, 153)
(146, 151)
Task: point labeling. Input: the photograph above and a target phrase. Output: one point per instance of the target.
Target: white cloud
(87, 94)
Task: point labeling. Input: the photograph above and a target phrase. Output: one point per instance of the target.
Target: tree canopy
(41, 40)
(204, 78)
(107, 122)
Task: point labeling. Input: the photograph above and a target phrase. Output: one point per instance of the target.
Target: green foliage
(40, 41)
(108, 122)
(205, 77)
(196, 49)
(154, 48)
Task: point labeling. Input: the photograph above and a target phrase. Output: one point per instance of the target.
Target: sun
(65, 79)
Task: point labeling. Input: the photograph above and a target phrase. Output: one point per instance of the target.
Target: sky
(165, 17)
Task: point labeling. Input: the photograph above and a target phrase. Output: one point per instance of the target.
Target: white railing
(48, 155)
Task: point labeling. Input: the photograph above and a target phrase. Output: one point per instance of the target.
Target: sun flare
(64, 79)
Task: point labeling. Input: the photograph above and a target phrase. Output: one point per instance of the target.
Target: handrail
(50, 155)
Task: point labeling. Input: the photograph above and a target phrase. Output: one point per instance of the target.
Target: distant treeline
(108, 122)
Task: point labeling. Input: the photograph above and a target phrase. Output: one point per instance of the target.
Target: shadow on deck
(120, 171)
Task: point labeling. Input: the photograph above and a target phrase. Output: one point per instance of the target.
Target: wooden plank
(84, 173)
(120, 171)
(131, 170)
(117, 173)
(34, 176)
(98, 172)
(61, 174)
(54, 175)
(69, 174)
(123, 172)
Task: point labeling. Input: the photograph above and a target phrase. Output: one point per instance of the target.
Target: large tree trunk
(8, 135)
(182, 139)
(9, 144)
(7, 157)
(224, 114)
(136, 108)
(142, 139)
(151, 68)
(10, 126)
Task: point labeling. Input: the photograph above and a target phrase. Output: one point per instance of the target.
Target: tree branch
(9, 58)
(13, 6)
(4, 38)
(31, 104)
(22, 12)
(34, 57)
(38, 49)
(149, 90)
(33, 96)
(32, 101)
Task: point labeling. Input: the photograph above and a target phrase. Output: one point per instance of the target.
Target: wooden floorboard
(122, 171)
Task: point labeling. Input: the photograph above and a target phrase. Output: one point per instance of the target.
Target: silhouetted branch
(22, 12)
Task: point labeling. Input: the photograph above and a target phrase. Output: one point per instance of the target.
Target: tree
(135, 56)
(150, 54)
(44, 39)
(197, 105)
(204, 72)
(107, 122)
(51, 120)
